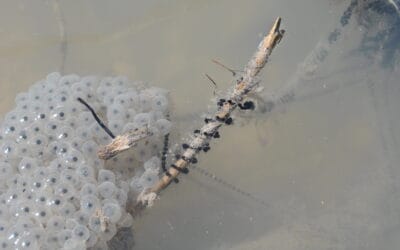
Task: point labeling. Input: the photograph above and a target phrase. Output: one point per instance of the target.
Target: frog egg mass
(55, 193)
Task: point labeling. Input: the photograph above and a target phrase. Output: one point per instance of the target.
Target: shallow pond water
(323, 162)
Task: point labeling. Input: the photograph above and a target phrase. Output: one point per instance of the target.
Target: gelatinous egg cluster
(54, 191)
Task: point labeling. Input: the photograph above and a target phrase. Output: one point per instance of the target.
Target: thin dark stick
(102, 125)
(209, 78)
(223, 66)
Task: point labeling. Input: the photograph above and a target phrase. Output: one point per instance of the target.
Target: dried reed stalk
(246, 83)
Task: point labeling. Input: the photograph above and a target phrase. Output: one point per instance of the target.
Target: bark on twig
(123, 142)
(244, 85)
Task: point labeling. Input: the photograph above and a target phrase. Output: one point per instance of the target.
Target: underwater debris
(222, 116)
(123, 142)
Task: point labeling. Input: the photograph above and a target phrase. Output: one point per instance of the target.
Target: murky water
(324, 162)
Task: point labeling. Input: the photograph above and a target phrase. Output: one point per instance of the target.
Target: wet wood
(246, 83)
(123, 142)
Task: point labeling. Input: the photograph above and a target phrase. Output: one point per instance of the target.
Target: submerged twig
(100, 122)
(225, 67)
(119, 143)
(123, 142)
(211, 80)
(244, 85)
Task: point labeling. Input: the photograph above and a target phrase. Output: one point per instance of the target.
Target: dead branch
(123, 142)
(244, 85)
